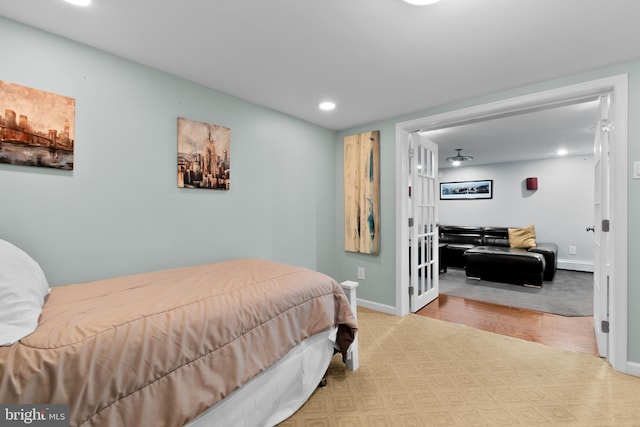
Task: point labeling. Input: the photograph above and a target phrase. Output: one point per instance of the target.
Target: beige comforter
(159, 348)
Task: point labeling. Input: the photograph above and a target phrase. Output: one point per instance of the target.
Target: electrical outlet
(361, 273)
(572, 250)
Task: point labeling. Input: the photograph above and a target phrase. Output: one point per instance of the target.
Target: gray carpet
(569, 294)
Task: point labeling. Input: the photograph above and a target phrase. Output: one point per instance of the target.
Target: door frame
(618, 185)
(601, 266)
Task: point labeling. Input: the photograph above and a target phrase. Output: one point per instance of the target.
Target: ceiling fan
(458, 158)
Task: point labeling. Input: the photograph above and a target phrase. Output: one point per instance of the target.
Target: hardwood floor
(569, 333)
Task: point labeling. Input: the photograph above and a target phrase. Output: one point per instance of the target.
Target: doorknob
(591, 229)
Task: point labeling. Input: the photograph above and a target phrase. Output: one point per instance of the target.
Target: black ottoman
(503, 264)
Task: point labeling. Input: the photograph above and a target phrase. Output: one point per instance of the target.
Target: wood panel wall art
(362, 193)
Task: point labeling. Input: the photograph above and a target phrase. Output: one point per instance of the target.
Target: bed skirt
(277, 393)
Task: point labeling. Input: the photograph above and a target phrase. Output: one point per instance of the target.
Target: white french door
(423, 233)
(602, 263)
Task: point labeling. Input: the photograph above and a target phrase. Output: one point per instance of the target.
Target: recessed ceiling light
(421, 2)
(563, 152)
(79, 2)
(327, 106)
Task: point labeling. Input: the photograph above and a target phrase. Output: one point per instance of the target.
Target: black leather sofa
(485, 253)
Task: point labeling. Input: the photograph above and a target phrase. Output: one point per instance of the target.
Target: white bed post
(349, 288)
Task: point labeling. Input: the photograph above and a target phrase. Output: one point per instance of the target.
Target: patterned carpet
(416, 371)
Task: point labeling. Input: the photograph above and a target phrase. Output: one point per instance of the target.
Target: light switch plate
(636, 169)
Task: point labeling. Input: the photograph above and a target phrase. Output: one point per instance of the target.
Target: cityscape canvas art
(203, 155)
(36, 127)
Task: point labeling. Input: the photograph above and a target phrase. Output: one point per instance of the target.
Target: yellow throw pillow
(523, 238)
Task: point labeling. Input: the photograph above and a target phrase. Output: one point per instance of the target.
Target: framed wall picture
(465, 190)
(203, 155)
(36, 127)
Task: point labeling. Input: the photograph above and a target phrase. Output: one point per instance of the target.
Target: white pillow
(23, 288)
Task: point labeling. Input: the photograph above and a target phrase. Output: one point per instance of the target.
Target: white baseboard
(564, 264)
(376, 306)
(633, 368)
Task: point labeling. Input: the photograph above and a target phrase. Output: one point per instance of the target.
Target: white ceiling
(528, 136)
(376, 59)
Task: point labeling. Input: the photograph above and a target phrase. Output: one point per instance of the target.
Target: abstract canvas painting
(203, 155)
(362, 193)
(36, 127)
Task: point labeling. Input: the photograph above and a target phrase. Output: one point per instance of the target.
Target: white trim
(565, 264)
(633, 368)
(618, 347)
(376, 306)
(618, 85)
(402, 229)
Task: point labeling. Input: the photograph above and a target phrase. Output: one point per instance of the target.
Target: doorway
(617, 236)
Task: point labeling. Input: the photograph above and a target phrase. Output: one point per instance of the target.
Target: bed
(193, 345)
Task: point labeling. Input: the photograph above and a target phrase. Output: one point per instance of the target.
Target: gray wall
(560, 209)
(120, 211)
